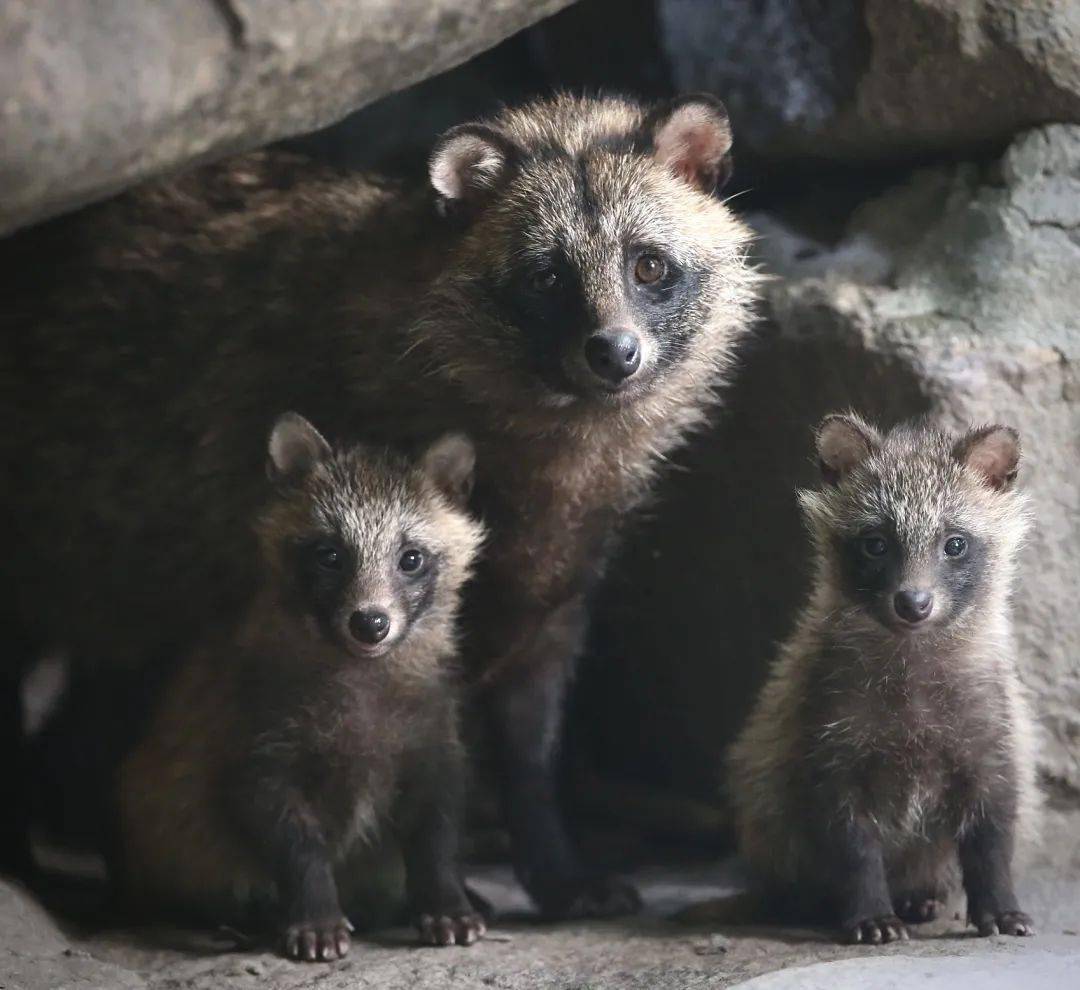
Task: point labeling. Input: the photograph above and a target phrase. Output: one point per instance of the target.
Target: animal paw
(919, 909)
(451, 928)
(1006, 923)
(319, 941)
(876, 931)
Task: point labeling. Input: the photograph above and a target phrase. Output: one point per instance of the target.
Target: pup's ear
(691, 135)
(992, 452)
(844, 441)
(449, 462)
(295, 448)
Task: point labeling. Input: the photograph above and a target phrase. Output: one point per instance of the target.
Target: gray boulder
(879, 78)
(95, 96)
(838, 80)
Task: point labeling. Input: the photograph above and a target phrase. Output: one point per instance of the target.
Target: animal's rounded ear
(449, 462)
(691, 135)
(844, 441)
(468, 161)
(295, 448)
(992, 452)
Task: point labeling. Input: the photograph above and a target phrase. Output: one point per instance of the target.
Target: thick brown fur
(878, 751)
(147, 342)
(278, 748)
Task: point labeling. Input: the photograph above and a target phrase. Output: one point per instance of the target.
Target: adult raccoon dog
(326, 714)
(891, 740)
(572, 308)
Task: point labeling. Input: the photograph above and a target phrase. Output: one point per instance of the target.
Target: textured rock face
(957, 294)
(852, 80)
(881, 78)
(94, 96)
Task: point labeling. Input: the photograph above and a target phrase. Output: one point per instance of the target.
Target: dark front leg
(291, 840)
(430, 844)
(866, 910)
(986, 852)
(526, 710)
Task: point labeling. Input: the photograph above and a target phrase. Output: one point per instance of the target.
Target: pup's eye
(546, 280)
(328, 557)
(875, 546)
(649, 269)
(411, 561)
(956, 546)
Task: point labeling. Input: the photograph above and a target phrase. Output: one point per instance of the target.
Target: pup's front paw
(317, 941)
(919, 909)
(1005, 923)
(876, 931)
(460, 927)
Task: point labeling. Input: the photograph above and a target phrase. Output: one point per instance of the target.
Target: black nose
(913, 606)
(369, 626)
(614, 355)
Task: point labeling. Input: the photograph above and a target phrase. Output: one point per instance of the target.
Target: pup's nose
(913, 606)
(614, 355)
(369, 626)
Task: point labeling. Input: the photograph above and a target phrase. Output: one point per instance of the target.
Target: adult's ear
(844, 441)
(691, 135)
(295, 448)
(468, 161)
(992, 452)
(449, 462)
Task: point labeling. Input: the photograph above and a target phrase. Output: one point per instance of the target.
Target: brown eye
(546, 280)
(649, 269)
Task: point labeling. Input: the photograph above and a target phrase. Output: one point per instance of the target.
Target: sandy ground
(649, 951)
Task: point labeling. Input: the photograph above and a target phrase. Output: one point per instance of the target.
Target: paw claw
(462, 928)
(919, 910)
(1007, 923)
(877, 931)
(317, 941)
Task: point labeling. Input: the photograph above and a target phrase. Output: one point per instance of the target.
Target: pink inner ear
(993, 459)
(693, 144)
(995, 455)
(841, 447)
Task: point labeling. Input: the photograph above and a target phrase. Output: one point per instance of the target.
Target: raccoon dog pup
(890, 743)
(326, 714)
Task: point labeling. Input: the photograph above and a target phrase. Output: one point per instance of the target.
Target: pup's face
(917, 522)
(367, 547)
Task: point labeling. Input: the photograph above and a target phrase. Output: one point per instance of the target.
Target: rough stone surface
(957, 294)
(884, 78)
(851, 80)
(94, 96)
(644, 953)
